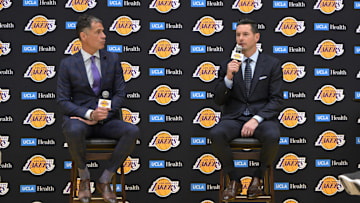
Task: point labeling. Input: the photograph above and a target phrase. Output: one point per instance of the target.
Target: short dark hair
(84, 21)
(252, 23)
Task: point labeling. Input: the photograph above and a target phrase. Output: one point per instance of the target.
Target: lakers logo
(163, 49)
(73, 47)
(39, 72)
(329, 140)
(329, 186)
(245, 182)
(290, 201)
(130, 117)
(328, 49)
(5, 4)
(207, 118)
(247, 6)
(124, 25)
(164, 187)
(289, 26)
(4, 142)
(67, 188)
(206, 71)
(207, 201)
(130, 71)
(328, 94)
(164, 6)
(38, 165)
(164, 141)
(4, 95)
(329, 6)
(290, 163)
(163, 95)
(80, 5)
(130, 164)
(291, 71)
(290, 117)
(39, 118)
(207, 26)
(40, 25)
(207, 164)
(4, 188)
(4, 48)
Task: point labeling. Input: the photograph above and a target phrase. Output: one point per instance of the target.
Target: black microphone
(237, 55)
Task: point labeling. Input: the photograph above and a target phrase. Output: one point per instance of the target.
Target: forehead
(244, 28)
(96, 26)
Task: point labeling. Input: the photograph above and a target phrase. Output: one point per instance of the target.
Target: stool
(239, 148)
(97, 149)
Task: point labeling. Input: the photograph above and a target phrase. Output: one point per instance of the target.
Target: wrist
(92, 116)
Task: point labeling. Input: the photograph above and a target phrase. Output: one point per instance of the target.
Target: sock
(106, 176)
(84, 173)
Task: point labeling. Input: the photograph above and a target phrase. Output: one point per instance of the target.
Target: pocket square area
(262, 77)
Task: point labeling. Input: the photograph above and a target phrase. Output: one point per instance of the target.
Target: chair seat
(100, 143)
(245, 143)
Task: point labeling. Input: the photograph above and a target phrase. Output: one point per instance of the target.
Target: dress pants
(226, 130)
(76, 132)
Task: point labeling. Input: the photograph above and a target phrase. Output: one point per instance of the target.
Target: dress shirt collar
(87, 56)
(254, 57)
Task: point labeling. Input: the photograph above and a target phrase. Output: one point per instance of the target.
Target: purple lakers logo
(290, 117)
(329, 6)
(329, 186)
(328, 95)
(130, 117)
(4, 48)
(39, 118)
(73, 47)
(130, 164)
(245, 182)
(207, 26)
(129, 71)
(207, 118)
(207, 164)
(289, 26)
(38, 165)
(164, 187)
(4, 142)
(5, 4)
(290, 163)
(163, 95)
(124, 25)
(206, 71)
(80, 5)
(40, 25)
(328, 49)
(247, 6)
(329, 140)
(164, 6)
(67, 188)
(163, 49)
(291, 71)
(164, 141)
(4, 95)
(39, 72)
(4, 188)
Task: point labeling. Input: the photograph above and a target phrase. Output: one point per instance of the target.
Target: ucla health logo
(130, 117)
(38, 165)
(164, 6)
(247, 6)
(163, 49)
(328, 95)
(290, 163)
(5, 4)
(207, 26)
(164, 187)
(291, 71)
(39, 72)
(40, 25)
(207, 118)
(4, 142)
(329, 186)
(290, 117)
(289, 26)
(329, 6)
(80, 5)
(4, 188)
(130, 164)
(39, 118)
(124, 25)
(4, 95)
(73, 47)
(4, 48)
(329, 140)
(163, 95)
(207, 164)
(328, 49)
(206, 71)
(164, 141)
(129, 71)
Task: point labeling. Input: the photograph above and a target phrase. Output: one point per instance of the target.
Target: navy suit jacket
(265, 98)
(74, 94)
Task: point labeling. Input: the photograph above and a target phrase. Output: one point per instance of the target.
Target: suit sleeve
(222, 93)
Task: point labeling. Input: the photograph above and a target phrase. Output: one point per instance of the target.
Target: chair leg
(123, 192)
(221, 185)
(73, 182)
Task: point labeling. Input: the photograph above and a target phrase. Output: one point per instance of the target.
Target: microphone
(237, 55)
(104, 57)
(105, 102)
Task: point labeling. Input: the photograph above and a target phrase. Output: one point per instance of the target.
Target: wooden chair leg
(73, 182)
(221, 185)
(123, 192)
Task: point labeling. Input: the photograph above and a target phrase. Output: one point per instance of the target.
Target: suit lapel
(239, 80)
(103, 64)
(259, 67)
(79, 63)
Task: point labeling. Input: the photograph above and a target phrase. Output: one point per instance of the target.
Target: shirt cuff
(88, 113)
(258, 118)
(228, 83)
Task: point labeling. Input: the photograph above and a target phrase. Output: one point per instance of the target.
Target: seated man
(83, 79)
(250, 95)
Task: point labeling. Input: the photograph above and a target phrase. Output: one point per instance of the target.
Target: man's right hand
(232, 68)
(99, 114)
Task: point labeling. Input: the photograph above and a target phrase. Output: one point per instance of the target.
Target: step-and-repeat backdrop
(177, 46)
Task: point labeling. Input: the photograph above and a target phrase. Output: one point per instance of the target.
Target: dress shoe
(107, 194)
(255, 188)
(84, 191)
(233, 188)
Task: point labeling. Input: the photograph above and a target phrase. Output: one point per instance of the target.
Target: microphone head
(105, 94)
(238, 48)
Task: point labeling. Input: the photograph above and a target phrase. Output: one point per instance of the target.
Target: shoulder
(109, 55)
(266, 58)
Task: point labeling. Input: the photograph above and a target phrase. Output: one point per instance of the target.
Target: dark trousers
(76, 132)
(226, 130)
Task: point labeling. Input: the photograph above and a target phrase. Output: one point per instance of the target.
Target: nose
(103, 35)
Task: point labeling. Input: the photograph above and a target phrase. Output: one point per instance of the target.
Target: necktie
(96, 76)
(247, 76)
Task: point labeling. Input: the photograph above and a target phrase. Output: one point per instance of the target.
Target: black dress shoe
(233, 188)
(255, 188)
(84, 191)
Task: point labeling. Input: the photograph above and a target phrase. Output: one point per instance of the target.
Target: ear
(82, 36)
(257, 36)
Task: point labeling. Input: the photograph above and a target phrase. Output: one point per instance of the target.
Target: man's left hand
(249, 128)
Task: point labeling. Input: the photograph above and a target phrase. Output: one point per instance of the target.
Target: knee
(217, 136)
(133, 132)
(74, 130)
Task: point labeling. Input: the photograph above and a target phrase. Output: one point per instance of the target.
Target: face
(93, 39)
(247, 39)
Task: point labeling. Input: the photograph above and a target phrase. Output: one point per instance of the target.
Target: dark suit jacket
(265, 98)
(74, 94)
